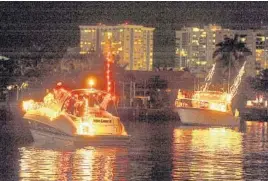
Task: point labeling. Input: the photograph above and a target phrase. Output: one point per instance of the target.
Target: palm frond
(243, 35)
(216, 52)
(220, 44)
(235, 38)
(246, 51)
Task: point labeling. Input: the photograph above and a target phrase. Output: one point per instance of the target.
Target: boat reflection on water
(88, 163)
(199, 153)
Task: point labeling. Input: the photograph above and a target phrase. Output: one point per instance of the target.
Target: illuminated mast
(237, 81)
(209, 77)
(109, 62)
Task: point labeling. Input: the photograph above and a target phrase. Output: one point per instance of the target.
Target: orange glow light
(28, 105)
(91, 82)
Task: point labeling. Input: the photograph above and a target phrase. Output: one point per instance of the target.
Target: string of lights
(209, 77)
(109, 61)
(237, 81)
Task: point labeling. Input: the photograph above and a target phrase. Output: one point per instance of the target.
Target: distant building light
(195, 29)
(243, 39)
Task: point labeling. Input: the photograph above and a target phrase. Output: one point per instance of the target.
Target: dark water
(156, 152)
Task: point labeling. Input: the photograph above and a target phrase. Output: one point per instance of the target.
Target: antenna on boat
(115, 105)
(229, 74)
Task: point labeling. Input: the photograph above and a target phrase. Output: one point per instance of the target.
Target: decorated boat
(205, 107)
(79, 116)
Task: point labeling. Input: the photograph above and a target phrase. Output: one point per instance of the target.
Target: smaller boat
(75, 117)
(211, 108)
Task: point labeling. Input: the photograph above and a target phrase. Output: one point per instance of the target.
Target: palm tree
(230, 55)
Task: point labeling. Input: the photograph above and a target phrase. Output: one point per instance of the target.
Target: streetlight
(18, 88)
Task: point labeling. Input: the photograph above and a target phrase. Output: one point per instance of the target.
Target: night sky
(54, 25)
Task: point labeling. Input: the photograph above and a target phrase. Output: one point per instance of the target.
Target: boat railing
(219, 105)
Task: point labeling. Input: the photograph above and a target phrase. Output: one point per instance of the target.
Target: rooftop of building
(125, 25)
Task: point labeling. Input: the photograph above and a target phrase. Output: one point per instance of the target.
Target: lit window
(195, 29)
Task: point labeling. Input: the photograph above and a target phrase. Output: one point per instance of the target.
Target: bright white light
(9, 87)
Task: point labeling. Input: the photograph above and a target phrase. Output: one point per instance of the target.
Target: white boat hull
(196, 116)
(42, 138)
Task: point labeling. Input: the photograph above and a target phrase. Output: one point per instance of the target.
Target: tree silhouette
(229, 56)
(158, 97)
(260, 82)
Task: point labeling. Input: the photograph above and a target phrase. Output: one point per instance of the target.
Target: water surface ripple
(157, 151)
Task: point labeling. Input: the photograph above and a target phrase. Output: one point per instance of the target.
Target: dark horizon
(55, 25)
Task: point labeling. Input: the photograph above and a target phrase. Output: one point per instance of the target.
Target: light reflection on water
(157, 151)
(207, 153)
(89, 163)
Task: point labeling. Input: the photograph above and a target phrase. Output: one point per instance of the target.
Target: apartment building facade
(195, 47)
(132, 44)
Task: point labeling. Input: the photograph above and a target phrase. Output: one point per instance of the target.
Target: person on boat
(70, 106)
(180, 95)
(180, 98)
(78, 106)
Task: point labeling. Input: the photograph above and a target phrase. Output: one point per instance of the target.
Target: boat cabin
(213, 100)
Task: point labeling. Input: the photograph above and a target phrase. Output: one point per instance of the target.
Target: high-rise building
(132, 44)
(257, 41)
(194, 46)
(259, 44)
